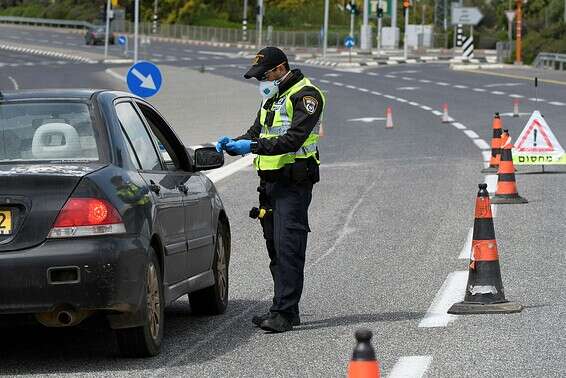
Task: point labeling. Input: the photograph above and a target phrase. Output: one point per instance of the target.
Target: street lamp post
(245, 22)
(325, 36)
(406, 5)
(259, 23)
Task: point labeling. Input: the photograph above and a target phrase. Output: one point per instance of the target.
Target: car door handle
(183, 188)
(154, 187)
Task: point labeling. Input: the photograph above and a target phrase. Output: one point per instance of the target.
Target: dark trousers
(285, 233)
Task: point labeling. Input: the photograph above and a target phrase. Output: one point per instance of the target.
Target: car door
(169, 211)
(197, 203)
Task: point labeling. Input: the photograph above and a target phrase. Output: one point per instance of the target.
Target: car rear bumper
(102, 273)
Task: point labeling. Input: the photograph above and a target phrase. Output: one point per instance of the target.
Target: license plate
(5, 222)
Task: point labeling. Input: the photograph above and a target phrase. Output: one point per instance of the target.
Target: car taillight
(87, 217)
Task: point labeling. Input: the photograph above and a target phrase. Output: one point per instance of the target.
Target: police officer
(284, 137)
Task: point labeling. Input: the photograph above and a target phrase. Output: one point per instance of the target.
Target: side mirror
(206, 158)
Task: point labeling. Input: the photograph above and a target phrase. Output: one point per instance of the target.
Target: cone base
(469, 308)
(490, 170)
(507, 199)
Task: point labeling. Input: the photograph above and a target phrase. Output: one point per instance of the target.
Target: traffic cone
(389, 118)
(363, 363)
(516, 108)
(495, 146)
(506, 185)
(484, 291)
(445, 117)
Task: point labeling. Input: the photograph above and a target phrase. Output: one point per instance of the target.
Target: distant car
(103, 209)
(97, 35)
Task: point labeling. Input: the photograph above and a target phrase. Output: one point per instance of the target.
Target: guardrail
(550, 61)
(45, 22)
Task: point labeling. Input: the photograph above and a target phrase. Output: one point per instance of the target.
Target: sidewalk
(526, 73)
(201, 106)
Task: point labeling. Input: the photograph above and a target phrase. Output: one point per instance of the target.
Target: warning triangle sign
(537, 137)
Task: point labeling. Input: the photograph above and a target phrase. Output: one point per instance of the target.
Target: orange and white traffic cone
(516, 108)
(363, 363)
(506, 192)
(389, 118)
(495, 146)
(484, 291)
(445, 117)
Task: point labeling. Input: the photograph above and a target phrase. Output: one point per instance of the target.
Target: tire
(213, 300)
(145, 341)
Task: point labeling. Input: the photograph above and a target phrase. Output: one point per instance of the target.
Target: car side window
(166, 148)
(138, 137)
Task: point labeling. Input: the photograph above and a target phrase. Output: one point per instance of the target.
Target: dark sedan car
(102, 209)
(97, 35)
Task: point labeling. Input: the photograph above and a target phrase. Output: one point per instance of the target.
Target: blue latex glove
(240, 147)
(222, 142)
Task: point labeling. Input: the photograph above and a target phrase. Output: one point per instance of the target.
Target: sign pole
(136, 28)
(245, 22)
(260, 24)
(107, 36)
(518, 32)
(405, 36)
(379, 26)
(325, 36)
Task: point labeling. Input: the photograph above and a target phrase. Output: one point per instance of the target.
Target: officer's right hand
(222, 142)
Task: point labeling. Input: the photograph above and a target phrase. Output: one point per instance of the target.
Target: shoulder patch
(310, 103)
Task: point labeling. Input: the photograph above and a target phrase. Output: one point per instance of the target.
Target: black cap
(265, 60)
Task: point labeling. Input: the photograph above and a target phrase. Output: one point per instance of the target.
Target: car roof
(53, 94)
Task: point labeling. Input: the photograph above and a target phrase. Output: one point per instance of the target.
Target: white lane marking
(436, 112)
(471, 134)
(491, 181)
(366, 119)
(467, 249)
(516, 95)
(350, 86)
(537, 99)
(408, 78)
(452, 291)
(414, 103)
(376, 93)
(363, 90)
(503, 85)
(391, 76)
(410, 367)
(486, 155)
(389, 97)
(338, 84)
(14, 82)
(332, 75)
(424, 107)
(223, 172)
(408, 88)
(373, 74)
(443, 84)
(482, 144)
(479, 90)
(401, 100)
(324, 81)
(497, 93)
(461, 86)
(424, 81)
(557, 103)
(115, 75)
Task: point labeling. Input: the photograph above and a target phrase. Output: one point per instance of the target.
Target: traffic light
(379, 12)
(406, 3)
(352, 8)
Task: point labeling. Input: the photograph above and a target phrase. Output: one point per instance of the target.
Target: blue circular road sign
(349, 42)
(122, 40)
(144, 79)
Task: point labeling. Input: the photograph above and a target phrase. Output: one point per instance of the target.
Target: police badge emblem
(310, 104)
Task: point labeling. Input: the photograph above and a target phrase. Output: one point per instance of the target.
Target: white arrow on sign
(147, 81)
(466, 15)
(367, 119)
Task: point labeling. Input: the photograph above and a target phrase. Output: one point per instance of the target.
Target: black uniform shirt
(307, 108)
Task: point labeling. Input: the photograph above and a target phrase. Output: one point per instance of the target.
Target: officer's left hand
(240, 147)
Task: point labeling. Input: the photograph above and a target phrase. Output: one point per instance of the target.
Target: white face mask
(268, 89)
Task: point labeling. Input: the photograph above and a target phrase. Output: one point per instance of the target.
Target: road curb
(49, 53)
(381, 62)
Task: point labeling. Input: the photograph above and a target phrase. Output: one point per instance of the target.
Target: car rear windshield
(47, 132)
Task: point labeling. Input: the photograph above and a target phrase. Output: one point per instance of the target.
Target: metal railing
(550, 61)
(45, 22)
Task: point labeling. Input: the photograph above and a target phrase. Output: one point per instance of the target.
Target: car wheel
(145, 341)
(213, 300)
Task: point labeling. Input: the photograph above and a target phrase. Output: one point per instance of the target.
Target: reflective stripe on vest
(282, 119)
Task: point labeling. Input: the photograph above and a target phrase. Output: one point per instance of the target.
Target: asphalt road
(389, 218)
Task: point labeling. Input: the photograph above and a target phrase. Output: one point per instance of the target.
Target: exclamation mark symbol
(535, 140)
